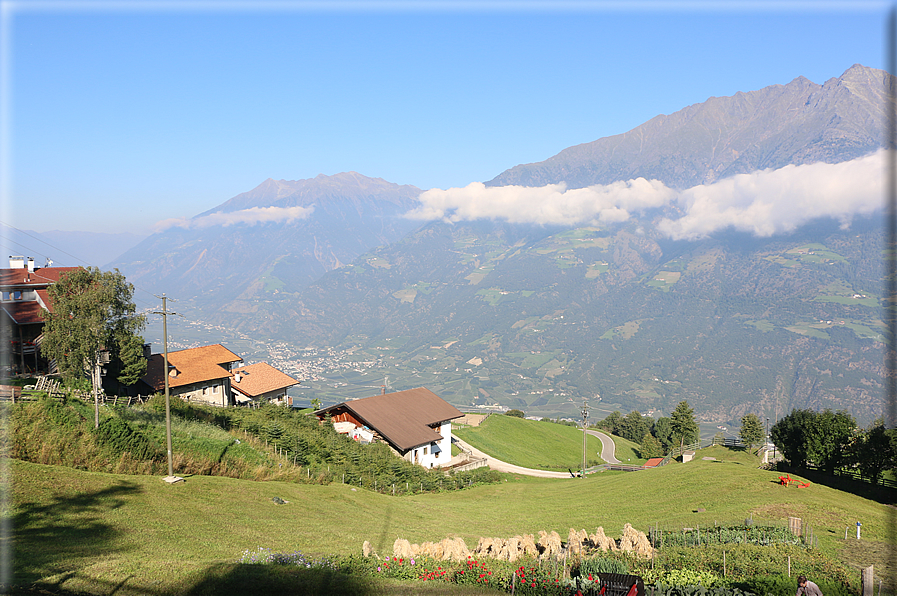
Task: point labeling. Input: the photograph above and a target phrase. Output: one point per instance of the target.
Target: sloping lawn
(532, 444)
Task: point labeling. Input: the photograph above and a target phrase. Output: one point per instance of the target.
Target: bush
(515, 413)
(119, 437)
(782, 585)
(597, 565)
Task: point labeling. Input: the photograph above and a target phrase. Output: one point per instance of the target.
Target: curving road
(607, 454)
(607, 446)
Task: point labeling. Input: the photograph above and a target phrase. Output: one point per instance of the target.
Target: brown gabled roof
(259, 379)
(193, 365)
(403, 418)
(23, 312)
(38, 278)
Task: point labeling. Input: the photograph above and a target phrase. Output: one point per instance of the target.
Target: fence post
(867, 579)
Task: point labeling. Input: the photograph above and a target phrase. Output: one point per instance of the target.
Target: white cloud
(552, 204)
(763, 203)
(771, 202)
(246, 217)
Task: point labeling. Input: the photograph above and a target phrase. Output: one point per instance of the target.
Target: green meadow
(532, 444)
(79, 532)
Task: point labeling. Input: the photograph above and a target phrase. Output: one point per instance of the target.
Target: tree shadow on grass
(239, 579)
(61, 535)
(874, 492)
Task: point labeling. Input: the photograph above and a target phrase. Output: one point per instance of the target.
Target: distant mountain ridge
(538, 317)
(345, 185)
(798, 123)
(218, 265)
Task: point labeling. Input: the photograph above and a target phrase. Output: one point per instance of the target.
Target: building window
(425, 450)
(17, 295)
(205, 390)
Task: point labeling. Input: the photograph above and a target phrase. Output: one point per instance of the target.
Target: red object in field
(787, 479)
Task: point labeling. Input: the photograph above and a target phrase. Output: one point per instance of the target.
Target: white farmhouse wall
(425, 456)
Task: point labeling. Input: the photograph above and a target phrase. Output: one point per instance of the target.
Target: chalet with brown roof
(416, 423)
(260, 383)
(196, 374)
(23, 293)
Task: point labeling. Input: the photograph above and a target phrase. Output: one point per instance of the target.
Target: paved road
(607, 454)
(501, 466)
(607, 446)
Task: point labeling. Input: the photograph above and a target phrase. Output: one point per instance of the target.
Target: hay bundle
(515, 548)
(529, 546)
(454, 549)
(543, 542)
(577, 541)
(503, 553)
(402, 549)
(601, 540)
(550, 544)
(635, 541)
(483, 546)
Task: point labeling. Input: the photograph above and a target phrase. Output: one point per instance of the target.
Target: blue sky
(118, 115)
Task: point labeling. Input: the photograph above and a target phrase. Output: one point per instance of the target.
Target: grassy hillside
(101, 532)
(532, 444)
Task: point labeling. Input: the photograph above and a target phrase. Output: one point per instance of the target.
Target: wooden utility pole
(171, 478)
(585, 426)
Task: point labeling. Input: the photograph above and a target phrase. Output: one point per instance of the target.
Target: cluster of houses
(415, 423)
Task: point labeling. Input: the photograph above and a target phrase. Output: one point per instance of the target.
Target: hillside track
(608, 448)
(501, 466)
(607, 454)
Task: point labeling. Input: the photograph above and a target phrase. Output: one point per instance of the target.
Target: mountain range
(539, 314)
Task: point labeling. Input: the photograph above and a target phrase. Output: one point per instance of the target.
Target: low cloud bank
(246, 217)
(763, 203)
(552, 204)
(771, 202)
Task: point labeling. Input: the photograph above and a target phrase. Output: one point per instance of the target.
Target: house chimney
(30, 264)
(237, 377)
(16, 262)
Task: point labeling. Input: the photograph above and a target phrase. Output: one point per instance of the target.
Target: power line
(136, 287)
(41, 241)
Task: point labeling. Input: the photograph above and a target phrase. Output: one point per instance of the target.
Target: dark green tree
(819, 438)
(633, 426)
(751, 433)
(650, 447)
(664, 433)
(515, 413)
(791, 436)
(683, 425)
(612, 423)
(830, 438)
(872, 451)
(93, 315)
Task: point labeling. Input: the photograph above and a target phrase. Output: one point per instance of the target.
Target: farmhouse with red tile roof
(196, 374)
(207, 374)
(261, 382)
(23, 293)
(416, 423)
